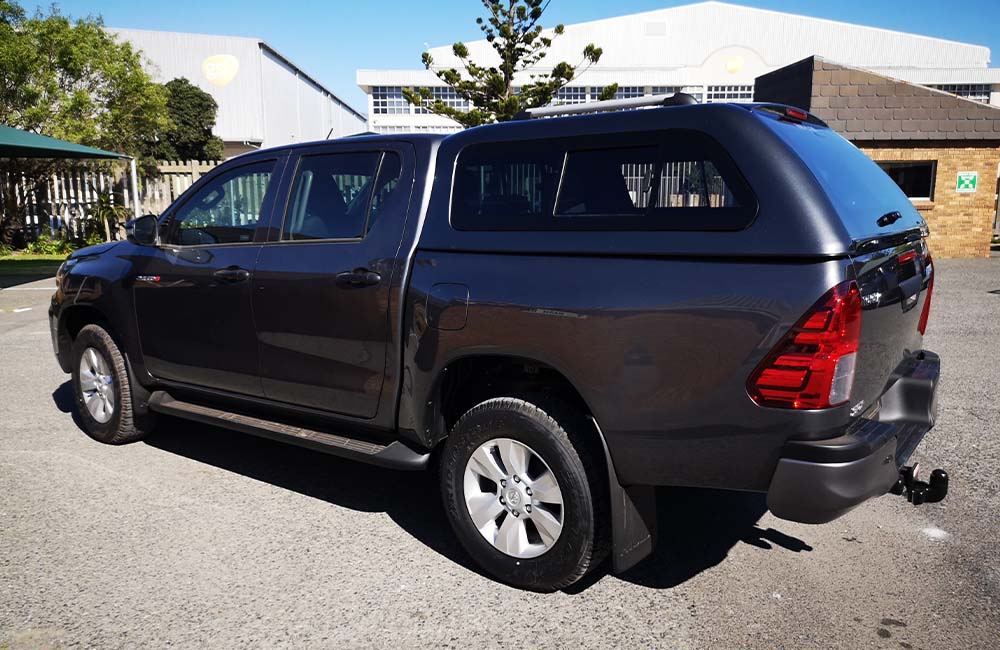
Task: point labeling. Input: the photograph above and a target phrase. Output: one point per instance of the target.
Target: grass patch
(25, 264)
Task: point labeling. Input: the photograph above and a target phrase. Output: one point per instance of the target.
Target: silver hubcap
(513, 498)
(97, 385)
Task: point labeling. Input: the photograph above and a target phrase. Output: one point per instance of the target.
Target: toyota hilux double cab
(556, 314)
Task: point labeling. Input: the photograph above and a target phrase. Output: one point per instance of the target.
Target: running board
(395, 455)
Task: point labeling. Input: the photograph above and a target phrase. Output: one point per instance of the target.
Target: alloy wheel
(513, 498)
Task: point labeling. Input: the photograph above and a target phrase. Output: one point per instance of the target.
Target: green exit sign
(966, 181)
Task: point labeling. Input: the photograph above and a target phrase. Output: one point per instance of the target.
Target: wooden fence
(65, 202)
(175, 177)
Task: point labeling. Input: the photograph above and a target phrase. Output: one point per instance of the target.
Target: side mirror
(143, 231)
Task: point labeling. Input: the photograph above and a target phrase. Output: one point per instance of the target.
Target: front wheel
(524, 491)
(103, 392)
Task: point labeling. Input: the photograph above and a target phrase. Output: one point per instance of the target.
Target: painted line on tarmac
(21, 309)
(27, 289)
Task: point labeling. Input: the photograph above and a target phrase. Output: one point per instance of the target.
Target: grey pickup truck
(555, 314)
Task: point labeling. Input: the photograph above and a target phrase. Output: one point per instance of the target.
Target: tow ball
(917, 491)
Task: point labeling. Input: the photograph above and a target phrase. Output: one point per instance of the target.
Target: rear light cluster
(926, 311)
(812, 367)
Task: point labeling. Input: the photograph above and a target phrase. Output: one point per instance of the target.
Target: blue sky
(331, 39)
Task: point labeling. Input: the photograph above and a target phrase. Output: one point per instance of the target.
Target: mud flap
(633, 517)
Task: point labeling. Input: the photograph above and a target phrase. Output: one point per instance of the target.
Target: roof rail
(676, 99)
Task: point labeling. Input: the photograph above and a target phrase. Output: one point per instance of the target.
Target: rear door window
(331, 196)
(671, 180)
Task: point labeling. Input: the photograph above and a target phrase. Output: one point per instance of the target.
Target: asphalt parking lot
(199, 537)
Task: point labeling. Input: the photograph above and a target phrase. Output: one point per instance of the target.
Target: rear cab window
(665, 180)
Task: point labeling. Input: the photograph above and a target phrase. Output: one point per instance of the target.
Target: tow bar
(917, 491)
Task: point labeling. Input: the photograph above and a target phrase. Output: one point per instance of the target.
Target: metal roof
(267, 99)
(687, 34)
(672, 46)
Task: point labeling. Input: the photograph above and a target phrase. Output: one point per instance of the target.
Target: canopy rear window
(859, 189)
(666, 180)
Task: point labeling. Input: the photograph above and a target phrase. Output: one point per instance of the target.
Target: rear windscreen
(858, 188)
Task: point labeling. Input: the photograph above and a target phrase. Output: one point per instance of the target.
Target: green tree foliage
(192, 113)
(73, 80)
(513, 29)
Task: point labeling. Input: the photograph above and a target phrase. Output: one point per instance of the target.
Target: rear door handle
(358, 278)
(232, 274)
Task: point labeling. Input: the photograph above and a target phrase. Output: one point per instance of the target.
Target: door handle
(358, 278)
(232, 274)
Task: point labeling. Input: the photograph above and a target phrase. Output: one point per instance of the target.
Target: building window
(975, 92)
(396, 128)
(624, 92)
(389, 100)
(664, 90)
(571, 95)
(916, 179)
(738, 94)
(447, 95)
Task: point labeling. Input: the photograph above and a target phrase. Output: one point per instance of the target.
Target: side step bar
(395, 455)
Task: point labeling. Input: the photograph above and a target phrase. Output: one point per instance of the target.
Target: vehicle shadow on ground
(696, 530)
(697, 527)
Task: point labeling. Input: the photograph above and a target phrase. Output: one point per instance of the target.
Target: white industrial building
(712, 50)
(264, 99)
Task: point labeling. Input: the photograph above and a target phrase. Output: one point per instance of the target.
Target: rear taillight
(812, 367)
(929, 269)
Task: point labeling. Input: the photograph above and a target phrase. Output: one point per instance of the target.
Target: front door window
(226, 210)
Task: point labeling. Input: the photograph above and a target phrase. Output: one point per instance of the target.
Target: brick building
(941, 149)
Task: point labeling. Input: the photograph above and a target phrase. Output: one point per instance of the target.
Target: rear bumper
(819, 480)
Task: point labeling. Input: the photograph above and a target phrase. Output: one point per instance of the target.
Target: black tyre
(103, 392)
(525, 491)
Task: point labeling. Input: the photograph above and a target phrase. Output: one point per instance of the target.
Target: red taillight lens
(922, 324)
(812, 367)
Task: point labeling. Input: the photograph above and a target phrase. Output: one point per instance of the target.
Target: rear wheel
(103, 393)
(524, 492)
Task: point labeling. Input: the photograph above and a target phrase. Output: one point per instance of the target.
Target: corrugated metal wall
(241, 111)
(268, 100)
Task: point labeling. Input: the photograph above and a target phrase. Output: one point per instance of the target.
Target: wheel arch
(632, 509)
(72, 319)
(470, 379)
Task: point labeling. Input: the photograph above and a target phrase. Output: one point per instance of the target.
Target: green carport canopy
(15, 143)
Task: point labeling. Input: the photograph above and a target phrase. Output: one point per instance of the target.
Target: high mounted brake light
(796, 114)
(812, 366)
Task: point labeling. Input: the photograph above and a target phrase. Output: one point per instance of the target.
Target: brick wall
(961, 224)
